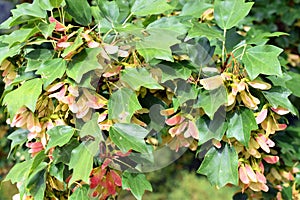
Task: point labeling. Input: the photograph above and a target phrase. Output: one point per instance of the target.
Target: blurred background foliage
(179, 180)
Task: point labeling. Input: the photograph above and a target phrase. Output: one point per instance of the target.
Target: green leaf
(109, 10)
(18, 137)
(122, 105)
(19, 172)
(137, 183)
(137, 77)
(229, 13)
(81, 193)
(19, 36)
(36, 58)
(92, 129)
(293, 83)
(262, 59)
(51, 70)
(57, 171)
(45, 4)
(59, 136)
(46, 29)
(8, 52)
(173, 70)
(163, 34)
(240, 125)
(80, 10)
(201, 52)
(278, 96)
(150, 7)
(212, 100)
(287, 192)
(26, 95)
(76, 44)
(63, 154)
(220, 166)
(204, 30)
(56, 3)
(82, 164)
(24, 13)
(78, 66)
(195, 8)
(209, 129)
(129, 136)
(36, 184)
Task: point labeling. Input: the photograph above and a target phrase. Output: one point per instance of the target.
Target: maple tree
(99, 91)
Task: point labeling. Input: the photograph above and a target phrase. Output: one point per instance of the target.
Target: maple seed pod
(212, 83)
(258, 84)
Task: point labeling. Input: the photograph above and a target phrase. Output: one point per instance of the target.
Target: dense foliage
(102, 91)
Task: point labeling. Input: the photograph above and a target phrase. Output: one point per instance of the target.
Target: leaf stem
(223, 47)
(126, 20)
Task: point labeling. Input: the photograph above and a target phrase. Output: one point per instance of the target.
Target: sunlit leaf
(262, 60)
(129, 136)
(229, 13)
(220, 166)
(26, 95)
(51, 70)
(136, 78)
(59, 136)
(150, 7)
(278, 96)
(82, 164)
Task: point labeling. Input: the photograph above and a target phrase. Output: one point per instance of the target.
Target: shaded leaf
(220, 166)
(129, 136)
(122, 105)
(57, 171)
(262, 59)
(27, 95)
(212, 100)
(209, 129)
(63, 154)
(80, 10)
(137, 183)
(18, 137)
(240, 125)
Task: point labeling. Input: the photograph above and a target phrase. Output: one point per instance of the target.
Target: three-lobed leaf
(240, 125)
(122, 105)
(229, 13)
(137, 183)
(80, 10)
(26, 95)
(137, 77)
(129, 136)
(59, 136)
(220, 166)
(262, 59)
